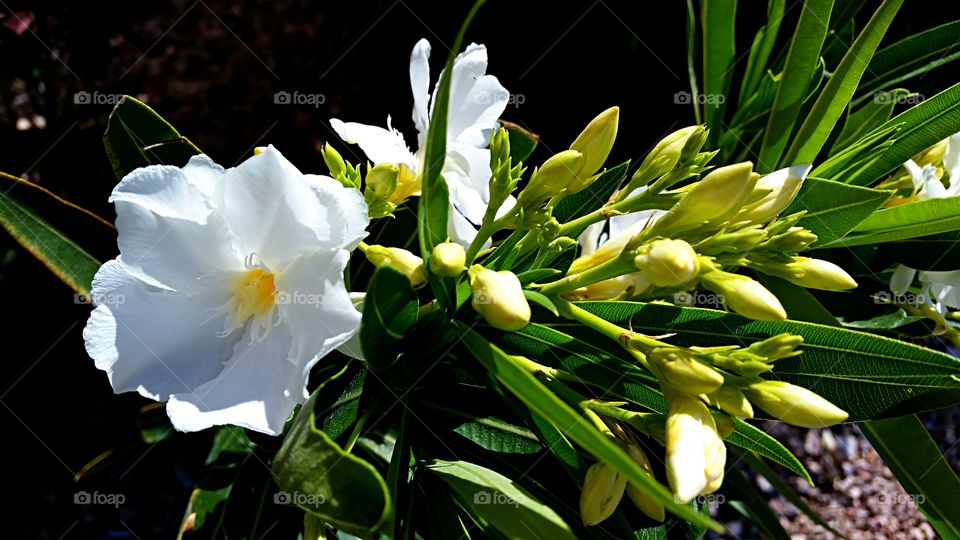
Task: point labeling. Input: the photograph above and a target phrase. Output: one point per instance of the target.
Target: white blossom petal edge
(228, 288)
(476, 102)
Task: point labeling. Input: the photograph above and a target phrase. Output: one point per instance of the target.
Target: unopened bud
(711, 201)
(695, 454)
(334, 161)
(777, 347)
(731, 400)
(498, 296)
(382, 180)
(561, 244)
(668, 263)
(448, 259)
(595, 142)
(603, 489)
(401, 260)
(795, 239)
(666, 154)
(744, 295)
(624, 286)
(678, 368)
(641, 499)
(550, 179)
(794, 404)
(610, 249)
(820, 274)
(781, 187)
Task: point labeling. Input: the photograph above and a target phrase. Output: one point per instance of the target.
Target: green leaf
(763, 43)
(867, 375)
(915, 459)
(919, 127)
(498, 436)
(786, 491)
(67, 260)
(522, 142)
(540, 274)
(137, 136)
(541, 300)
(506, 369)
(691, 33)
(500, 501)
(868, 117)
(831, 103)
(802, 61)
(903, 222)
(593, 197)
(888, 321)
(389, 310)
(321, 478)
(910, 57)
(834, 209)
(719, 50)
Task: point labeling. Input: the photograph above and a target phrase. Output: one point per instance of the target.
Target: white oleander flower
(229, 287)
(476, 102)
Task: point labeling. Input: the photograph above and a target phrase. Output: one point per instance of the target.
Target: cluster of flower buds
(675, 158)
(385, 187)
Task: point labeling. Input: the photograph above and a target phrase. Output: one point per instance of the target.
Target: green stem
(488, 227)
(643, 201)
(606, 270)
(628, 339)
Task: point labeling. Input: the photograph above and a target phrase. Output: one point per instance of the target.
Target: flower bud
(795, 239)
(715, 454)
(678, 368)
(794, 404)
(550, 179)
(448, 259)
(711, 201)
(624, 286)
(731, 400)
(777, 347)
(641, 499)
(382, 180)
(603, 489)
(334, 160)
(668, 263)
(666, 154)
(595, 142)
(498, 296)
(608, 250)
(401, 260)
(820, 274)
(692, 447)
(780, 187)
(744, 295)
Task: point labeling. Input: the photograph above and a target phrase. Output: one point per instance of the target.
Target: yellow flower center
(255, 294)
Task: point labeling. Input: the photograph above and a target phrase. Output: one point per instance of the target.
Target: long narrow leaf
(718, 18)
(760, 50)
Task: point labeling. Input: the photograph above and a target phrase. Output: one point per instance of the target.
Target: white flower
(476, 102)
(228, 288)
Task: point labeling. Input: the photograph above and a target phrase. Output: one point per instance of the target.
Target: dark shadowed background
(212, 68)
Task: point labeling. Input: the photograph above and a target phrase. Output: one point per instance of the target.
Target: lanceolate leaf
(522, 142)
(389, 310)
(834, 209)
(915, 459)
(868, 117)
(905, 221)
(868, 376)
(831, 103)
(500, 501)
(760, 50)
(800, 67)
(137, 136)
(718, 18)
(68, 261)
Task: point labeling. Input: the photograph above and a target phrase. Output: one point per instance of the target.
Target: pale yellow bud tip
(745, 296)
(448, 259)
(595, 143)
(820, 274)
(602, 491)
(668, 263)
(401, 260)
(794, 404)
(498, 297)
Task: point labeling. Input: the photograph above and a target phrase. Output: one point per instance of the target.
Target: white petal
(150, 340)
(347, 221)
(380, 145)
(951, 162)
(467, 172)
(901, 279)
(204, 174)
(590, 238)
(352, 347)
(460, 229)
(932, 186)
(257, 389)
(315, 306)
(476, 100)
(169, 234)
(420, 84)
(278, 214)
(915, 176)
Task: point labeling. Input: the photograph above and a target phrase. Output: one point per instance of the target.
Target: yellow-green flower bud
(711, 201)
(776, 347)
(498, 296)
(731, 400)
(448, 259)
(595, 142)
(678, 368)
(382, 180)
(603, 489)
(794, 404)
(795, 239)
(610, 249)
(744, 295)
(666, 153)
(550, 179)
(401, 260)
(334, 161)
(780, 187)
(695, 454)
(640, 498)
(820, 274)
(624, 286)
(668, 263)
